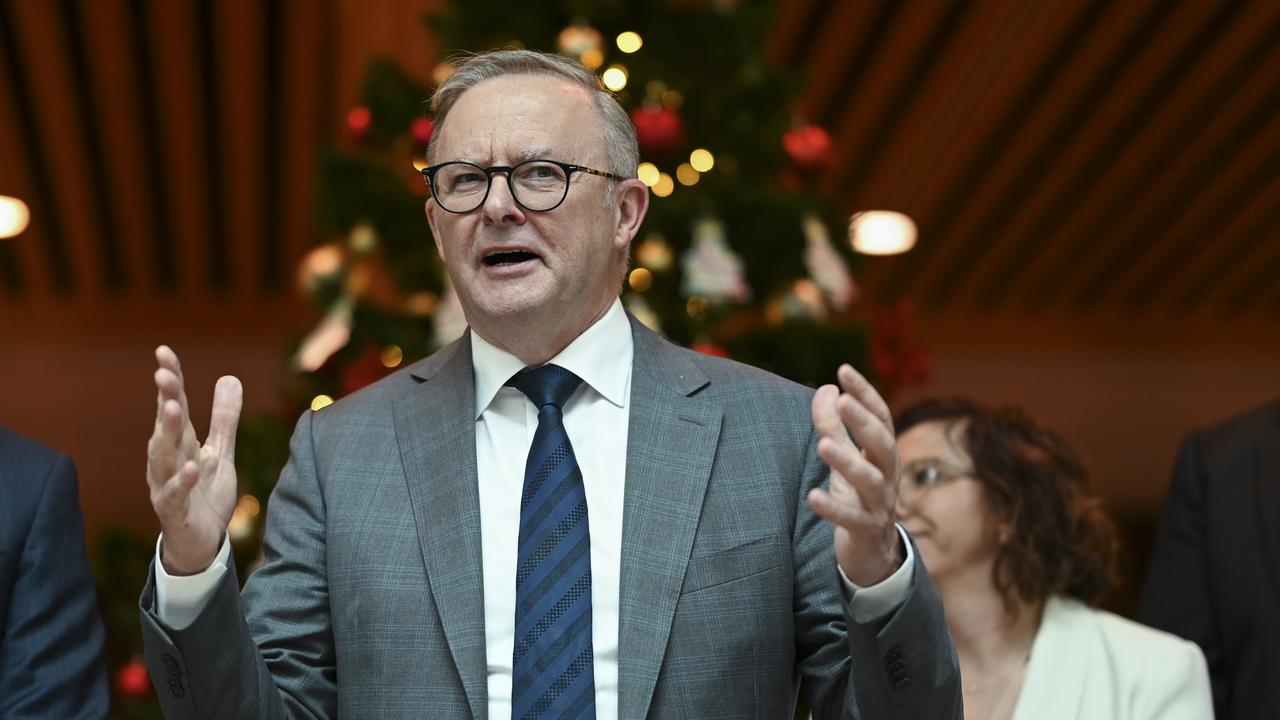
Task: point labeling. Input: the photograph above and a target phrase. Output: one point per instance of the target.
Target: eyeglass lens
(536, 185)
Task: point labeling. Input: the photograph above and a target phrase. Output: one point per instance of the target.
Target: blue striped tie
(552, 674)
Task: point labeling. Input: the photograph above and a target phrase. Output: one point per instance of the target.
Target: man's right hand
(193, 486)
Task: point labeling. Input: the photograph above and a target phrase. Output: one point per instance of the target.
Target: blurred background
(1091, 194)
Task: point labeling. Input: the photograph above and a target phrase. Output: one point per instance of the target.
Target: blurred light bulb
(14, 216)
(687, 175)
(392, 356)
(640, 279)
(615, 78)
(665, 185)
(881, 232)
(702, 160)
(629, 42)
(648, 174)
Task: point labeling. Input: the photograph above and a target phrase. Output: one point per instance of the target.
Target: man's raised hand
(193, 486)
(862, 499)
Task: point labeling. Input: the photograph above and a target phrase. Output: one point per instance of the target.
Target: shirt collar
(601, 356)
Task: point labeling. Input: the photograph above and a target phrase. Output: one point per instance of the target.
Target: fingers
(228, 399)
(853, 383)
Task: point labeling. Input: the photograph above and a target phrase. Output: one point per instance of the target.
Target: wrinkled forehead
(511, 118)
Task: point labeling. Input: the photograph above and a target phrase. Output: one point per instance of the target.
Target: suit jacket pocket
(749, 558)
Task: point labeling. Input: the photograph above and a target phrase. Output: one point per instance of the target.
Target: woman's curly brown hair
(1054, 536)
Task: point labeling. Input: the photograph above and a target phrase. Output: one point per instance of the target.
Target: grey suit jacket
(370, 602)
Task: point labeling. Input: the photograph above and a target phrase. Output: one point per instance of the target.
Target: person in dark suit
(560, 515)
(1214, 576)
(51, 637)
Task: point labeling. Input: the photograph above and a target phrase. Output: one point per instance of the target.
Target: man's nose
(500, 207)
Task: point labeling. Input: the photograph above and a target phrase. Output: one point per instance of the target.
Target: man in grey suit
(561, 514)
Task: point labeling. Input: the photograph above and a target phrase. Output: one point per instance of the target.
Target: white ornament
(637, 306)
(826, 266)
(448, 321)
(711, 269)
(331, 335)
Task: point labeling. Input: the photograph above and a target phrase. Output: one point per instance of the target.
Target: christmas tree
(736, 257)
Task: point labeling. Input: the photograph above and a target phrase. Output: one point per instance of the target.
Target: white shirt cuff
(877, 601)
(181, 598)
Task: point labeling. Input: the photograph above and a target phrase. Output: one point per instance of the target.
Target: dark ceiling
(1059, 157)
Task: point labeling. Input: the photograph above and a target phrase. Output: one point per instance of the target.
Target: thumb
(228, 399)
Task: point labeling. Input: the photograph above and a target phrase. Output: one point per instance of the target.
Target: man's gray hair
(619, 135)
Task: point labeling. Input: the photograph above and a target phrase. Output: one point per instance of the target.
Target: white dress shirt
(596, 419)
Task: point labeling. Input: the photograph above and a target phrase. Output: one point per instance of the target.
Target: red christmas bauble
(132, 679)
(359, 118)
(364, 370)
(709, 348)
(808, 146)
(658, 129)
(422, 129)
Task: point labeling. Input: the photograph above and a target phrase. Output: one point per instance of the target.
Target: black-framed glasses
(927, 473)
(536, 185)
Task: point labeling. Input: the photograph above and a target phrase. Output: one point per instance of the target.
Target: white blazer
(1088, 664)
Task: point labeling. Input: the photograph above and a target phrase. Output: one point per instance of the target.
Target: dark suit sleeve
(902, 666)
(1176, 596)
(51, 647)
(269, 652)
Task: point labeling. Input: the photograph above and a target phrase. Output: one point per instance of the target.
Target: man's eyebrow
(541, 153)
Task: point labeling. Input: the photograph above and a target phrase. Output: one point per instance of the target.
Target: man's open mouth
(508, 257)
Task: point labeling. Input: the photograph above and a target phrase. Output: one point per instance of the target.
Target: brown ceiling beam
(47, 229)
(1186, 129)
(114, 108)
(939, 226)
(58, 133)
(183, 135)
(1101, 68)
(1162, 72)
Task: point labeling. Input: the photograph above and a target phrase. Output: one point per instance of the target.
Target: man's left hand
(863, 495)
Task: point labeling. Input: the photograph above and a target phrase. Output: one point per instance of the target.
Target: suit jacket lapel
(671, 443)
(1266, 478)
(1054, 685)
(435, 429)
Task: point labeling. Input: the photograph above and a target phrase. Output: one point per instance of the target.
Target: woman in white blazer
(1000, 513)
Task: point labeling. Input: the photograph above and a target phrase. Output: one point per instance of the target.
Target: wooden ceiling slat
(58, 131)
(208, 29)
(276, 67)
(1260, 277)
(1149, 84)
(305, 112)
(797, 27)
(1182, 131)
(155, 187)
(932, 143)
(1198, 173)
(102, 202)
(14, 174)
(47, 229)
(238, 85)
(1243, 243)
(903, 52)
(852, 175)
(839, 59)
(1233, 196)
(986, 167)
(1036, 145)
(182, 124)
(1059, 160)
(114, 105)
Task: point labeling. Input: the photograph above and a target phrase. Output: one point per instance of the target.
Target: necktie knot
(546, 385)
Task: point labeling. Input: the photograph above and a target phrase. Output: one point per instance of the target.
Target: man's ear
(633, 203)
(432, 208)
